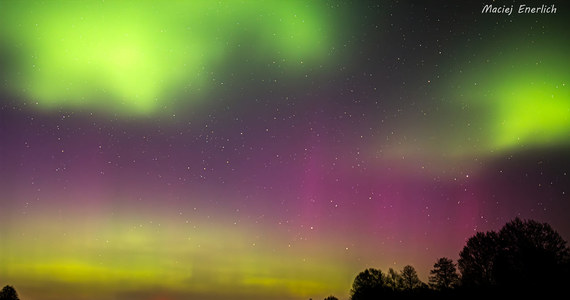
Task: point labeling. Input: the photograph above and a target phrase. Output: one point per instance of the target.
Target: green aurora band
(534, 109)
(137, 58)
(519, 98)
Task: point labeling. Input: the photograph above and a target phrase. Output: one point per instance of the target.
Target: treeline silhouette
(523, 259)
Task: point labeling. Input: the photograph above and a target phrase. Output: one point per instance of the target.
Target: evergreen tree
(393, 280)
(410, 279)
(443, 275)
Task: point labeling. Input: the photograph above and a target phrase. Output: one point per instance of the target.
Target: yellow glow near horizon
(109, 255)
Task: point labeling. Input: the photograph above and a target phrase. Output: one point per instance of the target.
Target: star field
(269, 150)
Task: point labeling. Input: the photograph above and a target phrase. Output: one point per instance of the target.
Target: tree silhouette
(368, 284)
(8, 293)
(443, 275)
(524, 259)
(476, 260)
(523, 256)
(393, 280)
(531, 254)
(331, 298)
(410, 279)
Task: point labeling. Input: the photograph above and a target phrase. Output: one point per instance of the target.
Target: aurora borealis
(269, 149)
(139, 55)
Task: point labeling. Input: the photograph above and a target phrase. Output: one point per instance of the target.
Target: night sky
(166, 150)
